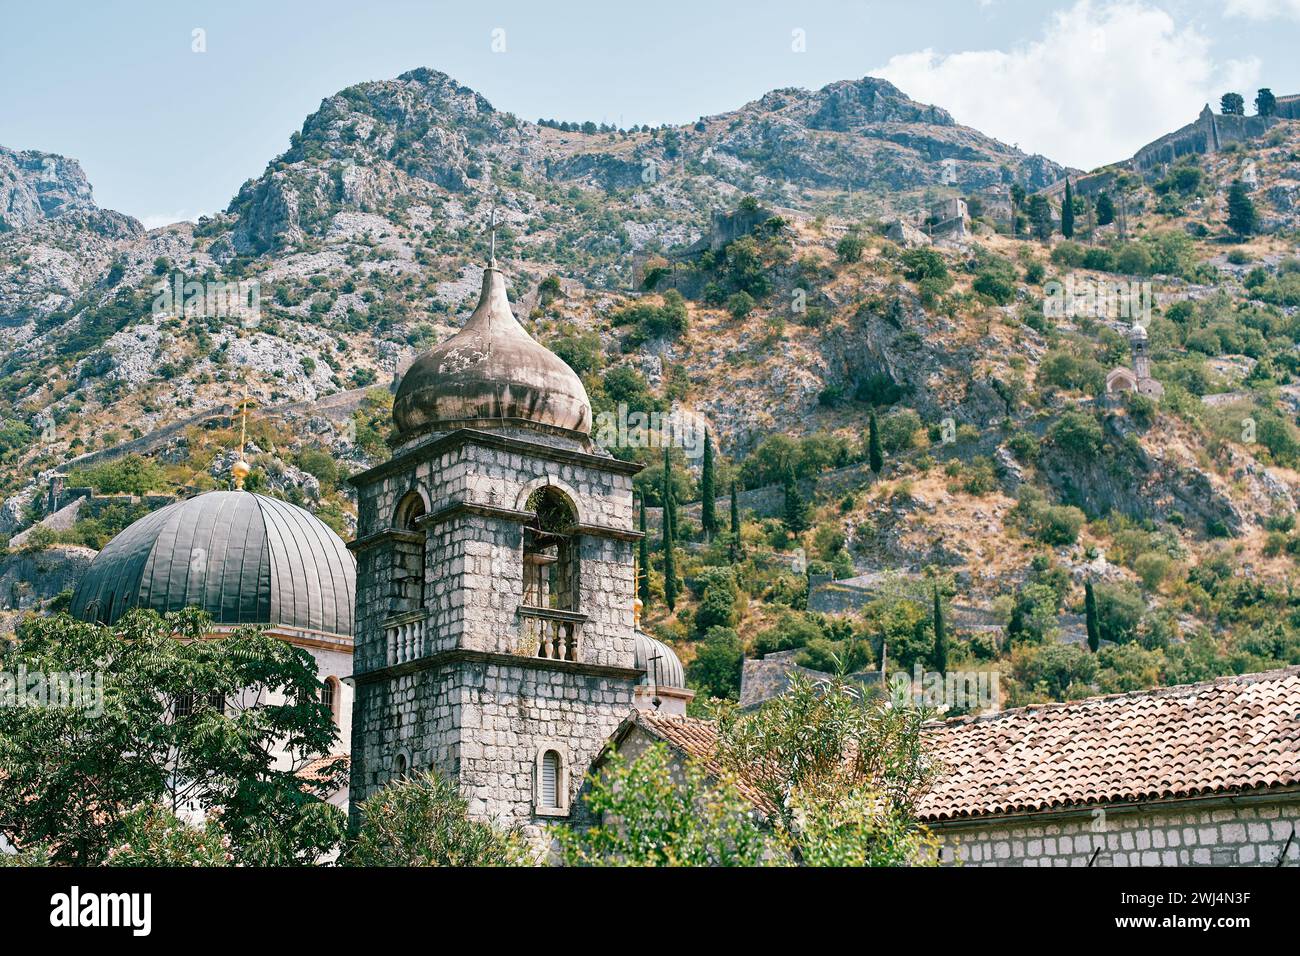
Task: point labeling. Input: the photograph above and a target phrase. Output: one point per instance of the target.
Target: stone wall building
(497, 644)
(1138, 378)
(1197, 775)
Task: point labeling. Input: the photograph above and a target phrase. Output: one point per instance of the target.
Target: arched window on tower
(550, 557)
(407, 584)
(550, 778)
(549, 614)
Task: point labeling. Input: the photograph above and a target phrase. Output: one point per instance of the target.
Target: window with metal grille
(327, 695)
(550, 779)
(184, 705)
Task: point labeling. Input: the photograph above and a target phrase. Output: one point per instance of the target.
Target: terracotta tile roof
(314, 769)
(1231, 734)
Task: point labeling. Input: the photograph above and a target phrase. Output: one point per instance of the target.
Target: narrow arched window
(399, 766)
(550, 783)
(407, 581)
(329, 696)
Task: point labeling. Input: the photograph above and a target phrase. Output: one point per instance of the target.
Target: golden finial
(636, 613)
(241, 469)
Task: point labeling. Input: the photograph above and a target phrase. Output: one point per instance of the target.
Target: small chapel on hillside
(1136, 379)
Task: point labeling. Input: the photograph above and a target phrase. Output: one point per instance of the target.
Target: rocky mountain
(423, 136)
(786, 270)
(388, 188)
(37, 186)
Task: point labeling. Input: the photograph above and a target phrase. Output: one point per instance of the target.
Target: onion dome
(490, 374)
(244, 558)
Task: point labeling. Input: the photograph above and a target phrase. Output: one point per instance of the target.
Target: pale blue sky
(165, 133)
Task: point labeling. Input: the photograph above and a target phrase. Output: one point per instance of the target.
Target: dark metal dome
(661, 665)
(242, 557)
(490, 374)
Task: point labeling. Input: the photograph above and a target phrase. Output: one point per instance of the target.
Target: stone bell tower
(495, 640)
(1141, 354)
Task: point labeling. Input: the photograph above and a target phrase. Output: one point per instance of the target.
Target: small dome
(1138, 332)
(659, 662)
(490, 374)
(242, 557)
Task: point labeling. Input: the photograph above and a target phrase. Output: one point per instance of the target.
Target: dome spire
(241, 468)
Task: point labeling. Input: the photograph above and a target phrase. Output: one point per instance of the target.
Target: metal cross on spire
(653, 661)
(241, 469)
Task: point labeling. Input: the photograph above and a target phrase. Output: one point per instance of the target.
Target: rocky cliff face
(866, 134)
(36, 186)
(425, 138)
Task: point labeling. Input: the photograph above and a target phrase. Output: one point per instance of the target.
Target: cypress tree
(1067, 212)
(643, 572)
(796, 509)
(1015, 626)
(940, 636)
(670, 567)
(708, 515)
(1105, 210)
(735, 525)
(1090, 616)
(874, 457)
(669, 495)
(1242, 217)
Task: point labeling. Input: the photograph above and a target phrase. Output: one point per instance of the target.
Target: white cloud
(156, 219)
(1263, 9)
(1101, 82)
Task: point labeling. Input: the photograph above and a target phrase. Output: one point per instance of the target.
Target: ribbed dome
(242, 557)
(490, 374)
(659, 662)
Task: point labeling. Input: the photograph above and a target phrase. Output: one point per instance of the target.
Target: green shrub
(715, 671)
(740, 304)
(1078, 436)
(997, 287)
(129, 475)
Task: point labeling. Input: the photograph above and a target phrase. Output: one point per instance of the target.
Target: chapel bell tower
(495, 640)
